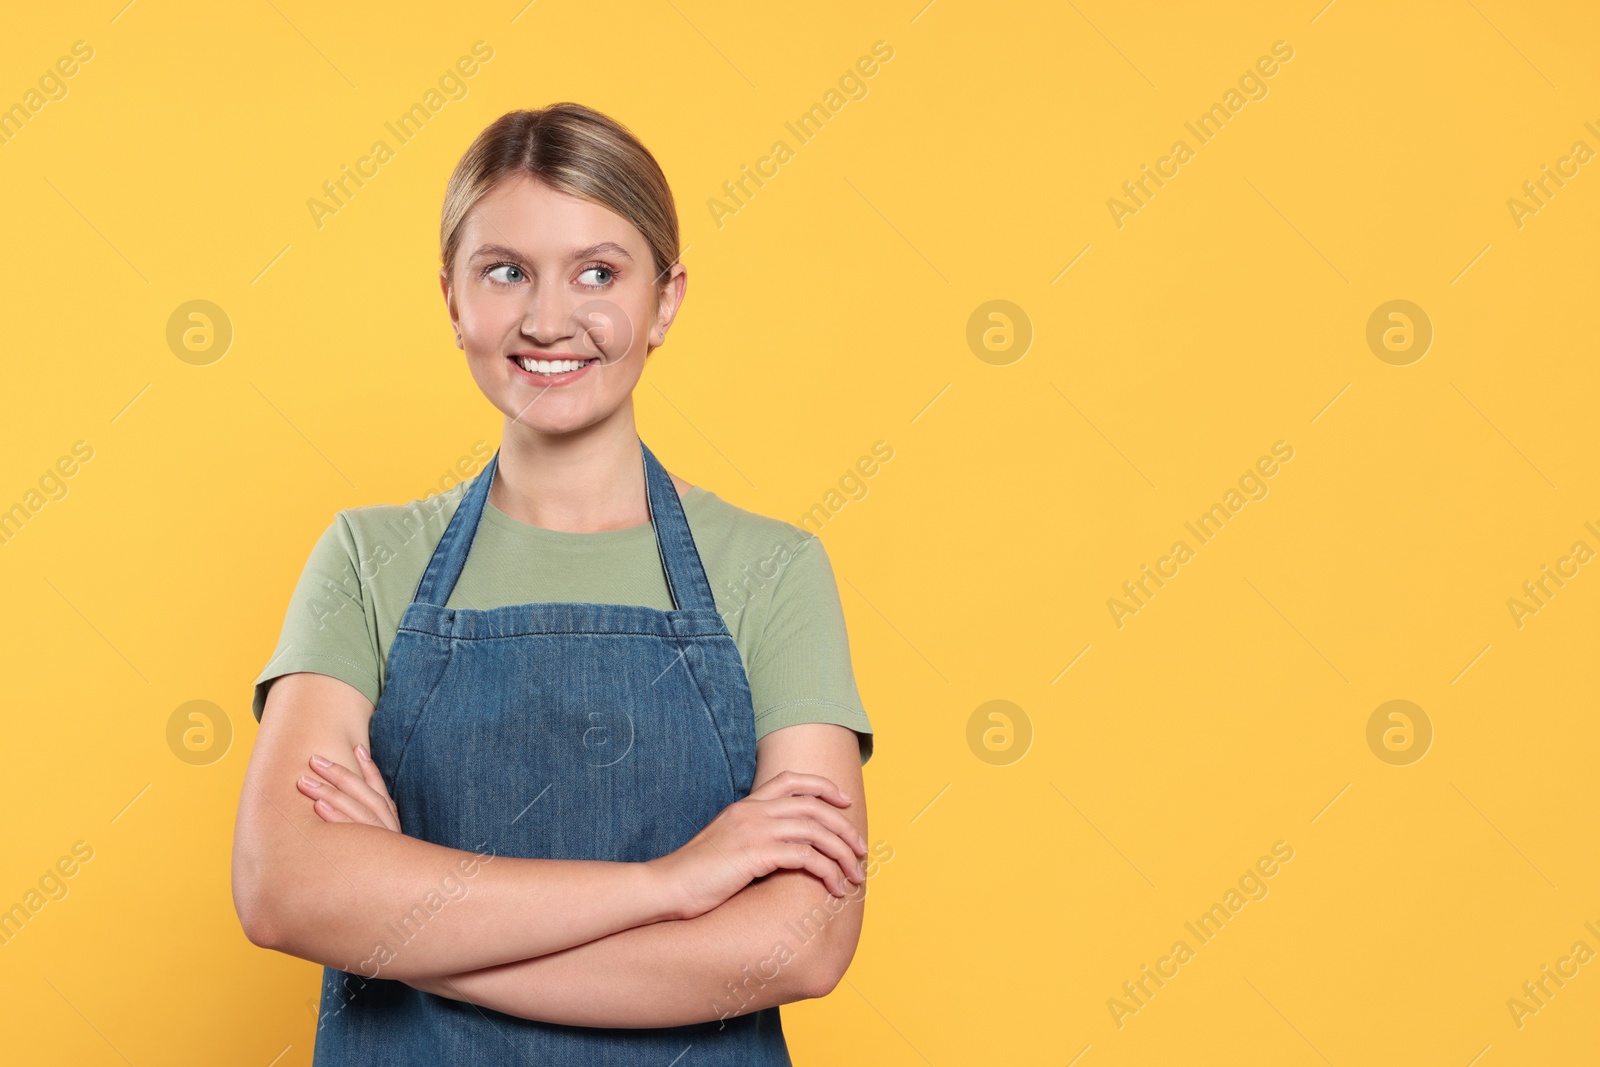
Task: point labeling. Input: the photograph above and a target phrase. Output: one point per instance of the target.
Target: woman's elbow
(824, 976)
(827, 967)
(255, 918)
(255, 900)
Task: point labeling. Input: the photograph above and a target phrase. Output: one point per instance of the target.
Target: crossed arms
(590, 943)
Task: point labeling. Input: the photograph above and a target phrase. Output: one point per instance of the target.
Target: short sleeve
(326, 628)
(800, 668)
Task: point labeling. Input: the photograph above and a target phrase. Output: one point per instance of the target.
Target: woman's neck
(584, 482)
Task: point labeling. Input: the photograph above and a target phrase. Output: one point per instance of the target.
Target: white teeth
(550, 366)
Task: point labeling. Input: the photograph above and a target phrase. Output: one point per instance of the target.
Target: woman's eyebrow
(581, 253)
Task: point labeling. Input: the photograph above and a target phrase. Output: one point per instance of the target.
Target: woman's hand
(341, 795)
(792, 821)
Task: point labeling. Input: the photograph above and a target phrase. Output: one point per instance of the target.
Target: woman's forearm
(365, 899)
(373, 902)
(781, 939)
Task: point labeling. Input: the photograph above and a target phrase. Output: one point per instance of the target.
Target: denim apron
(556, 731)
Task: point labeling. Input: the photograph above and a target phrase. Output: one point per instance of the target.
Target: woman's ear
(450, 306)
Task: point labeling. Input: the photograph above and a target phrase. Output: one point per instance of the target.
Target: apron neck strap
(686, 577)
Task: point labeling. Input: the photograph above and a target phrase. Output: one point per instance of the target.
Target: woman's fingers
(374, 777)
(332, 805)
(799, 855)
(353, 796)
(806, 810)
(328, 813)
(825, 842)
(832, 818)
(788, 783)
(803, 857)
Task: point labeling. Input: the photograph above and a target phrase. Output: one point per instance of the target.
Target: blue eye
(489, 270)
(609, 273)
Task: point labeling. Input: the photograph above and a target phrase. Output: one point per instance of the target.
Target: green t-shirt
(771, 580)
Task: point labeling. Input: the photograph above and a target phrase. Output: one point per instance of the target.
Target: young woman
(502, 787)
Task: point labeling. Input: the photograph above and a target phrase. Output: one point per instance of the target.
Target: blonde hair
(578, 151)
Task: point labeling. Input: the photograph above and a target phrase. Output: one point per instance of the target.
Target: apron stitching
(727, 757)
(433, 693)
(562, 633)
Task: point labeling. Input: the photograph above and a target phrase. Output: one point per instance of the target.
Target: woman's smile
(556, 370)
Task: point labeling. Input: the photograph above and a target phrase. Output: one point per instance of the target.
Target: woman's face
(543, 276)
